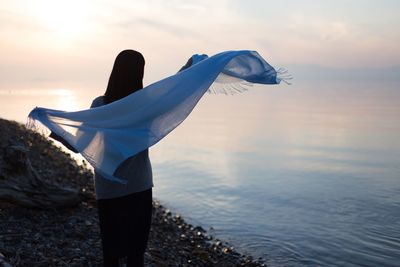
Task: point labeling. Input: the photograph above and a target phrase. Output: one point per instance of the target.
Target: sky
(73, 43)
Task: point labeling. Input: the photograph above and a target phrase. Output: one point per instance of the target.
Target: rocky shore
(70, 236)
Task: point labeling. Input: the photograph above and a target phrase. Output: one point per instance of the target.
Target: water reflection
(315, 169)
(305, 175)
(66, 100)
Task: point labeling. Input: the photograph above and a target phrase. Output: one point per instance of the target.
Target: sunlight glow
(66, 100)
(65, 18)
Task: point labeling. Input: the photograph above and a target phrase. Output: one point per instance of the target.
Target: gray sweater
(136, 170)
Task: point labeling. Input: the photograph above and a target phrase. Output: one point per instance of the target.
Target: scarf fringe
(229, 88)
(283, 75)
(33, 123)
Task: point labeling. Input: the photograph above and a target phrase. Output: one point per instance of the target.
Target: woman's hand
(193, 60)
(187, 65)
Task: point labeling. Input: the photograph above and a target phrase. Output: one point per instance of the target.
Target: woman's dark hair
(126, 76)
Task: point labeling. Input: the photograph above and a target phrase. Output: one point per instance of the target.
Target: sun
(65, 19)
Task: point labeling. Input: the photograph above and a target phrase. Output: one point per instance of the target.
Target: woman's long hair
(126, 76)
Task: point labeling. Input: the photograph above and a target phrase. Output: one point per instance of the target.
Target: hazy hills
(315, 72)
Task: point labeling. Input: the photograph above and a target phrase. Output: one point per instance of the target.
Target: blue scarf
(108, 135)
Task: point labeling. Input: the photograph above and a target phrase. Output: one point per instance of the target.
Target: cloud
(158, 25)
(17, 21)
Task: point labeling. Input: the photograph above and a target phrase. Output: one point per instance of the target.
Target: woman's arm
(187, 65)
(194, 60)
(62, 141)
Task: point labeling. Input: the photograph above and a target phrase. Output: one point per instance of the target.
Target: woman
(124, 209)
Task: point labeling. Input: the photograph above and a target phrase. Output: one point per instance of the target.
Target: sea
(306, 174)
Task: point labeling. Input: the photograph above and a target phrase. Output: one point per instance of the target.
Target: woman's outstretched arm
(187, 65)
(62, 141)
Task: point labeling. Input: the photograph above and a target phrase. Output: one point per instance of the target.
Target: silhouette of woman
(125, 210)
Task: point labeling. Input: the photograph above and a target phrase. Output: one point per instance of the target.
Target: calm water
(302, 175)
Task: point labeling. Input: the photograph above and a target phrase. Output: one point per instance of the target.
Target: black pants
(125, 226)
